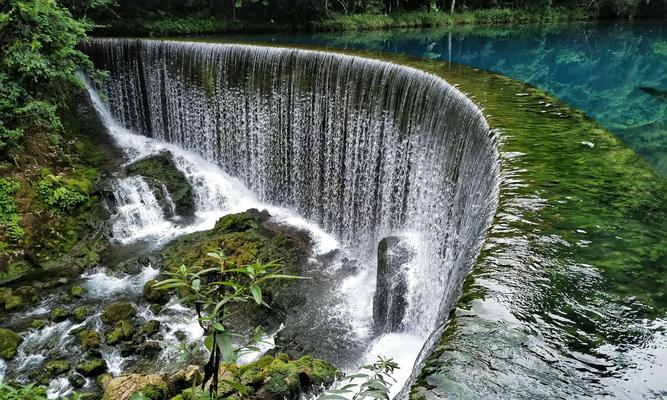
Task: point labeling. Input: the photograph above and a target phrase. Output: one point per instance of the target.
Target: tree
(38, 65)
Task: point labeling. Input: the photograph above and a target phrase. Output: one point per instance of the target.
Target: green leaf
(256, 293)
(226, 347)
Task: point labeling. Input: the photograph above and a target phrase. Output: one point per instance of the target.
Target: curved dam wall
(364, 148)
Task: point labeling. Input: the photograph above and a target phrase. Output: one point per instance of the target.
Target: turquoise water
(598, 68)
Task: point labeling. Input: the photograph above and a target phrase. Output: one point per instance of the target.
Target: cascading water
(363, 148)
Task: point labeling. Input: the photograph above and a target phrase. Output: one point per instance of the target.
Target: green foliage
(27, 392)
(214, 291)
(38, 63)
(372, 382)
(57, 195)
(9, 218)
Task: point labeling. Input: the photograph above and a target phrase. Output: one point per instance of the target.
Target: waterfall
(363, 148)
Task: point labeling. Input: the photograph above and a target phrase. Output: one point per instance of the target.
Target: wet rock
(144, 261)
(115, 312)
(9, 341)
(59, 314)
(57, 367)
(90, 339)
(181, 336)
(81, 313)
(389, 302)
(155, 295)
(150, 328)
(281, 378)
(12, 301)
(161, 174)
(76, 380)
(152, 386)
(38, 324)
(92, 368)
(121, 332)
(150, 349)
(187, 378)
(78, 291)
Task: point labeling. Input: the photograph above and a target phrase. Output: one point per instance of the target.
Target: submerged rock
(76, 380)
(115, 312)
(161, 174)
(9, 342)
(389, 302)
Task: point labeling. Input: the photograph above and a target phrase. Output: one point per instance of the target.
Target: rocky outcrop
(245, 238)
(389, 302)
(162, 176)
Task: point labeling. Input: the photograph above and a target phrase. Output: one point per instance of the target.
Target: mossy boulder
(150, 328)
(161, 174)
(9, 342)
(81, 313)
(121, 332)
(12, 301)
(125, 387)
(281, 377)
(154, 294)
(57, 367)
(115, 312)
(76, 380)
(59, 314)
(91, 368)
(38, 324)
(78, 291)
(90, 339)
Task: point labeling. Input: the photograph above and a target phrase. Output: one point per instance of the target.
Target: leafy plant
(27, 392)
(215, 292)
(38, 65)
(373, 384)
(55, 194)
(9, 218)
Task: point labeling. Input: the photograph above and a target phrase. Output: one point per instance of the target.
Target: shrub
(9, 218)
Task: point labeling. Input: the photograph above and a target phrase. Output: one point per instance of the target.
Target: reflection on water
(615, 72)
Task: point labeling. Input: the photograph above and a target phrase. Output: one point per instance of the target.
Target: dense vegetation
(209, 16)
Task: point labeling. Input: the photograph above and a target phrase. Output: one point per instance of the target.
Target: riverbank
(202, 25)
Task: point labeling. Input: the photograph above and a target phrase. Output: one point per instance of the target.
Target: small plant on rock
(372, 382)
(215, 292)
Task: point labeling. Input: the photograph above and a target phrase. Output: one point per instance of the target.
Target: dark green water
(598, 68)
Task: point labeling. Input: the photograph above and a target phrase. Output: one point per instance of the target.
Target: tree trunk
(453, 4)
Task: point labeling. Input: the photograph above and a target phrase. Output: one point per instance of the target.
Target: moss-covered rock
(78, 291)
(90, 339)
(154, 294)
(150, 328)
(81, 313)
(38, 324)
(12, 301)
(57, 367)
(9, 342)
(115, 312)
(160, 172)
(59, 314)
(122, 331)
(125, 387)
(76, 380)
(92, 368)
